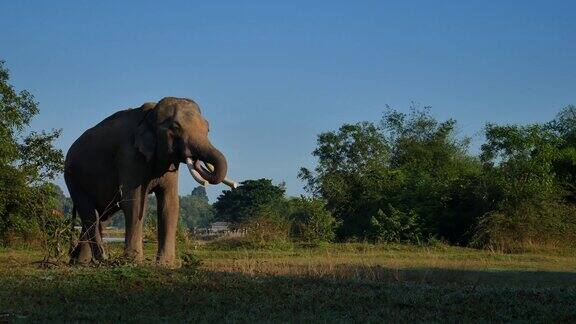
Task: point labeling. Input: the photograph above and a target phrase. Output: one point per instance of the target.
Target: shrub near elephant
(114, 166)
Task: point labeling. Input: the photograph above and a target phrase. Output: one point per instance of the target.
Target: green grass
(335, 283)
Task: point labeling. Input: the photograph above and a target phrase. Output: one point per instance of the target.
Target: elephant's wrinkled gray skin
(114, 166)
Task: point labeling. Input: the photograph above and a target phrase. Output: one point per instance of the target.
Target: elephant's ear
(145, 136)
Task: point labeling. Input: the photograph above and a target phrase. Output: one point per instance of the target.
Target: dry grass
(365, 262)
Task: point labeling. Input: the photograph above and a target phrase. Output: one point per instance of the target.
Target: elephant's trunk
(215, 158)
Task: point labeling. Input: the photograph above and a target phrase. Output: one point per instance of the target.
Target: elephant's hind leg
(90, 246)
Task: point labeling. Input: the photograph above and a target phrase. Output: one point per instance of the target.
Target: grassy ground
(337, 283)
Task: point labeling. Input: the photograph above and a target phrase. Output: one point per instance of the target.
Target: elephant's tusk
(230, 183)
(194, 173)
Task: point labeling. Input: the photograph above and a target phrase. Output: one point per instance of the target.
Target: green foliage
(56, 231)
(242, 203)
(519, 163)
(527, 173)
(564, 127)
(531, 226)
(349, 162)
(377, 180)
(311, 221)
(396, 226)
(268, 226)
(118, 220)
(411, 179)
(195, 210)
(150, 231)
(190, 259)
(63, 203)
(28, 161)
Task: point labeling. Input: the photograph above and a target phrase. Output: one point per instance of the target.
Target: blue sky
(271, 75)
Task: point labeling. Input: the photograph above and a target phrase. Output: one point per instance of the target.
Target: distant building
(219, 227)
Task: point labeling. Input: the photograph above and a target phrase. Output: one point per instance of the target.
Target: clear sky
(271, 75)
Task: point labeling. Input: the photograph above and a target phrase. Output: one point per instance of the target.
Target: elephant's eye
(176, 127)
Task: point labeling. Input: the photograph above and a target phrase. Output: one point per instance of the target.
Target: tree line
(407, 178)
(411, 178)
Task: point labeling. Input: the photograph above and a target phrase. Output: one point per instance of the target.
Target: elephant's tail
(73, 223)
(73, 242)
(73, 216)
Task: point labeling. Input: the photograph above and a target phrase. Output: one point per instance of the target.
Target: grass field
(336, 283)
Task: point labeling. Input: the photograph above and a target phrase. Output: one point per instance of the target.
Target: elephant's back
(98, 146)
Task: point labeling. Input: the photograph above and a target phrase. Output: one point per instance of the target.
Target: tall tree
(195, 210)
(200, 193)
(28, 161)
(564, 126)
(244, 202)
(390, 181)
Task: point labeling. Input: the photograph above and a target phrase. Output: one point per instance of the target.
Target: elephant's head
(174, 130)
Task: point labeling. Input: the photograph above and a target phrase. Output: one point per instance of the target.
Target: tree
(64, 203)
(200, 194)
(564, 126)
(245, 201)
(350, 164)
(433, 162)
(391, 182)
(527, 177)
(28, 161)
(521, 159)
(195, 210)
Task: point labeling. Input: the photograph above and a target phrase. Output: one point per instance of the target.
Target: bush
(396, 226)
(268, 227)
(550, 226)
(311, 221)
(56, 231)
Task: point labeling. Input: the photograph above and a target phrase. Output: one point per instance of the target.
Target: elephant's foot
(133, 255)
(81, 254)
(167, 261)
(98, 252)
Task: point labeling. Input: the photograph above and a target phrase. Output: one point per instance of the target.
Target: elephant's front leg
(134, 207)
(167, 197)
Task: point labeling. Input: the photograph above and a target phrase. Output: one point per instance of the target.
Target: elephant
(135, 152)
